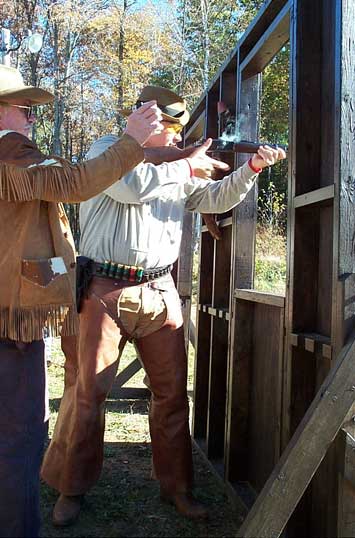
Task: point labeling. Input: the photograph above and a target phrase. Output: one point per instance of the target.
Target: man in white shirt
(132, 232)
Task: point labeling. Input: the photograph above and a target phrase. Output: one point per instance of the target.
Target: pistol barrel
(243, 146)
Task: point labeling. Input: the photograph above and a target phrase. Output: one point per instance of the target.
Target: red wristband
(256, 170)
(191, 171)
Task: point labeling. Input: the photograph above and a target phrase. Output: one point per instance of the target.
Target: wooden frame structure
(260, 358)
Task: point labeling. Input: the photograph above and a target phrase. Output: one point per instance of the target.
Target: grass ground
(270, 261)
(125, 502)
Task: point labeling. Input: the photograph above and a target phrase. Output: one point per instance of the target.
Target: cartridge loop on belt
(131, 273)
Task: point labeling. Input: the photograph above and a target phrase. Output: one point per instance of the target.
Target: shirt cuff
(256, 170)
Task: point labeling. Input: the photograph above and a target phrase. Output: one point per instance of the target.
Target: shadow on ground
(139, 407)
(125, 502)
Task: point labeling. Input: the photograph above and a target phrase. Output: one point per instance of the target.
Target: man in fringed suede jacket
(37, 267)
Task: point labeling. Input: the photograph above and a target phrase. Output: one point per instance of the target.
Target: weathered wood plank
(184, 271)
(240, 327)
(239, 383)
(130, 393)
(127, 373)
(268, 45)
(314, 197)
(305, 451)
(221, 290)
(219, 348)
(197, 129)
(260, 297)
(259, 25)
(201, 373)
(217, 389)
(223, 223)
(347, 141)
(266, 389)
(212, 114)
(313, 342)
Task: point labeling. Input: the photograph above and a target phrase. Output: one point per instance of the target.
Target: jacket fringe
(23, 185)
(71, 322)
(15, 184)
(27, 324)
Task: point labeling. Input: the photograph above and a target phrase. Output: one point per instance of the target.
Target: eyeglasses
(164, 109)
(27, 109)
(174, 128)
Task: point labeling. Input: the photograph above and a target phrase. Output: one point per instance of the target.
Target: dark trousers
(23, 428)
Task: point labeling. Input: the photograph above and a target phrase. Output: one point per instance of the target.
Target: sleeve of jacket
(219, 196)
(146, 181)
(70, 183)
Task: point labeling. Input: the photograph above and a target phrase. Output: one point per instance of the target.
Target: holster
(84, 274)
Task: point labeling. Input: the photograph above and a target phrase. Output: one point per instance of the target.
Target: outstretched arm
(223, 195)
(76, 183)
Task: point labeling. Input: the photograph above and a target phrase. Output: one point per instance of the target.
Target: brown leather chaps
(114, 312)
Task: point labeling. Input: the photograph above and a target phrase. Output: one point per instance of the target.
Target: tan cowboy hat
(173, 106)
(12, 88)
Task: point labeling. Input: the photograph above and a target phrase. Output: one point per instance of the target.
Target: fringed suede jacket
(37, 257)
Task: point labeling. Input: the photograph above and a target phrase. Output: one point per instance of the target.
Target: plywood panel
(266, 383)
(237, 438)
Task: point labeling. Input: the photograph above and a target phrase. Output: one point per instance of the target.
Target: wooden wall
(260, 358)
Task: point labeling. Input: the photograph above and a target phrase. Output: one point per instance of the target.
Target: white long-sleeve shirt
(138, 220)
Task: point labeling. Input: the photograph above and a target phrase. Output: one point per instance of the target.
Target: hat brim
(182, 120)
(34, 96)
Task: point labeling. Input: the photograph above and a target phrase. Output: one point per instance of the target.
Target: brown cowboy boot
(66, 510)
(186, 505)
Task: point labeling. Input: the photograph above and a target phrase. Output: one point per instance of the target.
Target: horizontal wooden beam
(204, 307)
(196, 131)
(259, 25)
(221, 313)
(312, 342)
(314, 197)
(130, 393)
(268, 45)
(223, 223)
(260, 297)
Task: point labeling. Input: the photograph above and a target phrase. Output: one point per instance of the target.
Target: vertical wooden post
(344, 232)
(347, 140)
(243, 240)
(184, 271)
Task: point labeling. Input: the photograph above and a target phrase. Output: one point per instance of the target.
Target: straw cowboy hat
(173, 106)
(12, 89)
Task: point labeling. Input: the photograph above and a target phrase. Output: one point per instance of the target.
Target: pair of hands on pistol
(266, 156)
(206, 167)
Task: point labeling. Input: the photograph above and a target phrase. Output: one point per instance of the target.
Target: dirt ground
(125, 502)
